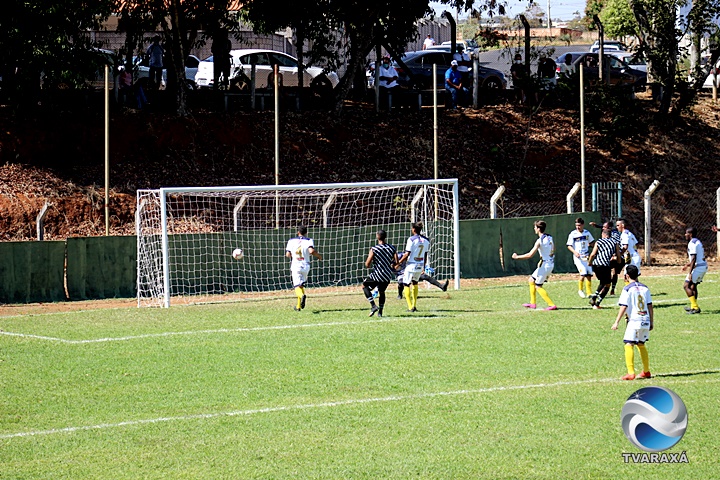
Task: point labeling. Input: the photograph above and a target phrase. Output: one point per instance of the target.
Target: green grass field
(471, 386)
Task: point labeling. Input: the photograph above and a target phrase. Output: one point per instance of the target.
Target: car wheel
(321, 87)
(492, 83)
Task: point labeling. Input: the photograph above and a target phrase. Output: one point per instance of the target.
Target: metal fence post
(717, 222)
(646, 199)
(493, 201)
(40, 222)
(571, 195)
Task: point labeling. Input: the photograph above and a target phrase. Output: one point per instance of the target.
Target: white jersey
(695, 247)
(546, 248)
(418, 246)
(388, 72)
(299, 248)
(429, 42)
(580, 241)
(636, 297)
(628, 241)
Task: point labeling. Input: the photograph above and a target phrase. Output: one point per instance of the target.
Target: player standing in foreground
(627, 245)
(416, 254)
(383, 258)
(546, 247)
(578, 242)
(697, 266)
(635, 300)
(299, 249)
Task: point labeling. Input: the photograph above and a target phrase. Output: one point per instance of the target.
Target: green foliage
(618, 19)
(471, 386)
(47, 39)
(593, 7)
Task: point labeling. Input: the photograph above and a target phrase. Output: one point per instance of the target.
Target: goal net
(186, 236)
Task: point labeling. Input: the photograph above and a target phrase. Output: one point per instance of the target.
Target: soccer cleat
(297, 309)
(596, 307)
(612, 292)
(380, 313)
(644, 375)
(687, 309)
(412, 310)
(581, 294)
(551, 307)
(400, 297)
(593, 299)
(693, 311)
(302, 302)
(629, 376)
(374, 310)
(445, 285)
(530, 305)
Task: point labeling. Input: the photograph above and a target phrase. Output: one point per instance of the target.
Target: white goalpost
(186, 236)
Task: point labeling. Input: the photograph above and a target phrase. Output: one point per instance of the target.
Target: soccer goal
(186, 236)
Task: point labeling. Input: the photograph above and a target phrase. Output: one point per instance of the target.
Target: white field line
(340, 403)
(251, 329)
(219, 330)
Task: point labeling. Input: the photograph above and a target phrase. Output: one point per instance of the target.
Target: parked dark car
(421, 63)
(620, 72)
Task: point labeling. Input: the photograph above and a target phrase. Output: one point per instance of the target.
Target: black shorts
(617, 265)
(371, 284)
(603, 274)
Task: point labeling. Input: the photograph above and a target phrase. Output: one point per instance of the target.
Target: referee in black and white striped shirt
(600, 259)
(383, 258)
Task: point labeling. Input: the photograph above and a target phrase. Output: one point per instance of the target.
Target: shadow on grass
(669, 305)
(688, 374)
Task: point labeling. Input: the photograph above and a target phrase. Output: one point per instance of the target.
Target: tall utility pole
(549, 18)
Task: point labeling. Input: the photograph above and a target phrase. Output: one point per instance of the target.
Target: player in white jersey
(698, 267)
(579, 243)
(546, 246)
(416, 254)
(627, 244)
(636, 301)
(299, 249)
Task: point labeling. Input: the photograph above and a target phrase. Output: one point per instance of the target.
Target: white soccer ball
(238, 254)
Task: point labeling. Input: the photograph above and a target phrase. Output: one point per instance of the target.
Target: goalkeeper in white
(300, 249)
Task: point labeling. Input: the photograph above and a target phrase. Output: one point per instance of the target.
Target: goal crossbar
(186, 234)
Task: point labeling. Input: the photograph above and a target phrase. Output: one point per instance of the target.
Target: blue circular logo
(654, 419)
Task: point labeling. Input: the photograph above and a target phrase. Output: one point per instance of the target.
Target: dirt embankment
(58, 158)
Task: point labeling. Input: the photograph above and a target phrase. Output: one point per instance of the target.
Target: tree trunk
(176, 69)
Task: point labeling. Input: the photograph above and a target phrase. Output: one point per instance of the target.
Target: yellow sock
(408, 296)
(588, 286)
(415, 295)
(693, 302)
(644, 357)
(580, 283)
(533, 294)
(630, 358)
(545, 296)
(299, 292)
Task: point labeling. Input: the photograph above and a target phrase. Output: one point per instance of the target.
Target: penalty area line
(340, 403)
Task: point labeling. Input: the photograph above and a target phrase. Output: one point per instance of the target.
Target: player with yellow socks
(546, 246)
(636, 301)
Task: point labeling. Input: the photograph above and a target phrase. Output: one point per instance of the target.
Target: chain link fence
(671, 215)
